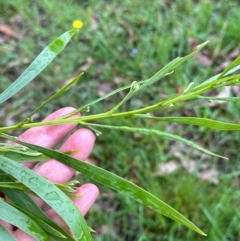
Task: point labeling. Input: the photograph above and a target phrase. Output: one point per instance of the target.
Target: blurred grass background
(123, 41)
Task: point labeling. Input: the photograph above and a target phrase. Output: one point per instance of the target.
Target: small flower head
(77, 24)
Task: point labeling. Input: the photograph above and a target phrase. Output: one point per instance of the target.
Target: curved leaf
(22, 201)
(22, 221)
(161, 134)
(164, 71)
(231, 99)
(42, 60)
(48, 228)
(53, 97)
(117, 183)
(234, 66)
(209, 123)
(48, 192)
(24, 156)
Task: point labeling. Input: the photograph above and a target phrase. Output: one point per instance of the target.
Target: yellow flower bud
(77, 24)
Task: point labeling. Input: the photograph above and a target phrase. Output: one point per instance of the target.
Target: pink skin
(81, 140)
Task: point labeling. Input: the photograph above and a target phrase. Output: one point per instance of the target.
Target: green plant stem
(109, 115)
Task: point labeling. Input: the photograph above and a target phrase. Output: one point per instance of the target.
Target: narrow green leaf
(65, 188)
(117, 183)
(209, 123)
(231, 99)
(20, 153)
(36, 67)
(21, 156)
(230, 67)
(5, 235)
(215, 79)
(22, 221)
(161, 134)
(48, 192)
(170, 67)
(14, 185)
(53, 97)
(22, 201)
(45, 226)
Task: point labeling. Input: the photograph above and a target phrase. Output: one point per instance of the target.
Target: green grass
(127, 41)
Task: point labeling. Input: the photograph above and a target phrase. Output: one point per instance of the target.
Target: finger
(81, 142)
(48, 136)
(21, 236)
(89, 194)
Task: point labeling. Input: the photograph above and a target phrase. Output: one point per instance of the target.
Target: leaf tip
(202, 233)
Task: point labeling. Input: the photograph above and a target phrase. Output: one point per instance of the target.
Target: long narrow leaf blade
(204, 122)
(22, 157)
(217, 78)
(22, 221)
(53, 97)
(23, 201)
(53, 196)
(42, 60)
(46, 227)
(235, 63)
(170, 67)
(228, 99)
(161, 134)
(5, 235)
(119, 184)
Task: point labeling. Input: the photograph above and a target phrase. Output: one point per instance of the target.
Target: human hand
(56, 172)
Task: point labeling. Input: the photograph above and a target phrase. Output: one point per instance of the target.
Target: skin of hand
(49, 136)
